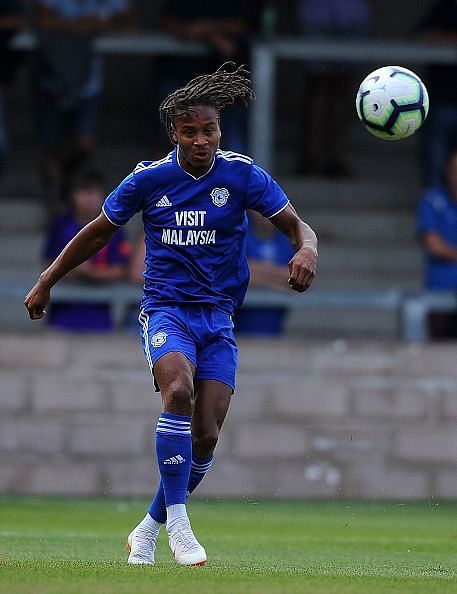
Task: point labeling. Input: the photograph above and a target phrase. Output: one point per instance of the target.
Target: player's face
(197, 134)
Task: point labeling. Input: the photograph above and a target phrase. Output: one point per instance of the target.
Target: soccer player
(194, 205)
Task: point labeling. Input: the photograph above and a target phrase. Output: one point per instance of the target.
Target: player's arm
(302, 266)
(437, 247)
(94, 236)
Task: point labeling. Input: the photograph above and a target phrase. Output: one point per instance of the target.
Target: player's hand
(302, 269)
(37, 300)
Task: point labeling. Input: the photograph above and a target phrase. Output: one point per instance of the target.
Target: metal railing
(411, 308)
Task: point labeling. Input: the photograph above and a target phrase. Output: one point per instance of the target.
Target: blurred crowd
(66, 80)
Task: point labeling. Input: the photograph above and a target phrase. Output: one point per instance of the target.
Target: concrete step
(337, 323)
(20, 248)
(21, 214)
(392, 195)
(407, 281)
(372, 228)
(14, 317)
(386, 260)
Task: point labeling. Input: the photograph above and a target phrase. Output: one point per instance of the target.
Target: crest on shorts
(220, 196)
(158, 339)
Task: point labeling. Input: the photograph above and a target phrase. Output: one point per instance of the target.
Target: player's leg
(211, 406)
(170, 352)
(212, 400)
(214, 386)
(174, 375)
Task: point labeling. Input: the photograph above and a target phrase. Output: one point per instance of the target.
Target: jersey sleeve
(264, 194)
(123, 202)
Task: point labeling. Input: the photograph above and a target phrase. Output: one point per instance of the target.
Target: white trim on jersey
(280, 210)
(190, 174)
(231, 156)
(112, 222)
(141, 166)
(235, 154)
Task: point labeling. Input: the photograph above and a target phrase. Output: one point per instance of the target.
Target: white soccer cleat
(141, 545)
(185, 547)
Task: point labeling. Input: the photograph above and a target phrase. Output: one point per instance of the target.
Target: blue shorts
(203, 333)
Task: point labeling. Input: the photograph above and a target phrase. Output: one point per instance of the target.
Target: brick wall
(318, 419)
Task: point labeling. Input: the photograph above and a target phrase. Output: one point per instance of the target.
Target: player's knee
(178, 398)
(203, 445)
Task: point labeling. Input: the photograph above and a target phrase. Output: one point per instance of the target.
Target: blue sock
(174, 455)
(200, 467)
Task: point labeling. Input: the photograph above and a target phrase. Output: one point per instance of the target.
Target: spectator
(107, 266)
(137, 264)
(12, 19)
(330, 89)
(69, 83)
(437, 228)
(223, 27)
(136, 269)
(440, 128)
(268, 252)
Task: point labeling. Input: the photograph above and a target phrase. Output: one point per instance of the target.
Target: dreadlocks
(218, 90)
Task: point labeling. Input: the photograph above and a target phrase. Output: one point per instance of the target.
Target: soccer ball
(392, 102)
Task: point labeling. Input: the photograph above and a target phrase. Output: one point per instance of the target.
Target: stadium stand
(362, 271)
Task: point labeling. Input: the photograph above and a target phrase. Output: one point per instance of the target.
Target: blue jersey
(195, 227)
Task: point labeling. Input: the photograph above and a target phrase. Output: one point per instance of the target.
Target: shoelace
(186, 538)
(144, 543)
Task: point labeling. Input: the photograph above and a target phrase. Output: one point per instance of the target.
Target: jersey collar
(176, 157)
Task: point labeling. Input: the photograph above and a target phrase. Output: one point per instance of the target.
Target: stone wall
(318, 419)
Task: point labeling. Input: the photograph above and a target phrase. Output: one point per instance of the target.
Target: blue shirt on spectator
(437, 212)
(264, 321)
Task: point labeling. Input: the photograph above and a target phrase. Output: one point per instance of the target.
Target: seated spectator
(68, 78)
(268, 252)
(107, 266)
(437, 228)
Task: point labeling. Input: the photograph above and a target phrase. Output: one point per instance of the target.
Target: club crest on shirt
(220, 196)
(158, 339)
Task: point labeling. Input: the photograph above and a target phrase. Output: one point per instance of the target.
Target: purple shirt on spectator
(78, 316)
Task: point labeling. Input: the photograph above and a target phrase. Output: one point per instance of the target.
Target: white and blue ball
(392, 102)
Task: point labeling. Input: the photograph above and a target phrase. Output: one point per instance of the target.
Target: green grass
(60, 546)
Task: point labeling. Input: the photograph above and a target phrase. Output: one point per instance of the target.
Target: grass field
(60, 546)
